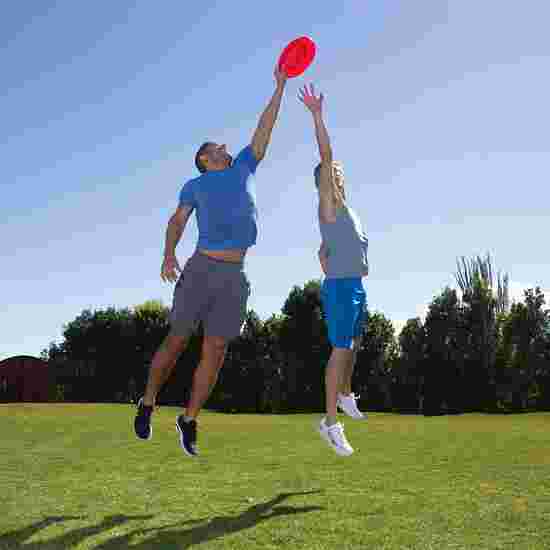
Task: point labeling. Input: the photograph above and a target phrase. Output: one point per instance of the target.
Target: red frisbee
(297, 56)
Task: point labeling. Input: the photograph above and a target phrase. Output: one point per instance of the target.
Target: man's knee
(174, 344)
(341, 356)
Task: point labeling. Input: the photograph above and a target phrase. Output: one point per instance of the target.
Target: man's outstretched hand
(310, 100)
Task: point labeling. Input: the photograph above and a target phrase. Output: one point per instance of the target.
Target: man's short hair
(198, 162)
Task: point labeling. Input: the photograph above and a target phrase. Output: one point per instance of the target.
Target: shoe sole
(147, 438)
(338, 450)
(181, 442)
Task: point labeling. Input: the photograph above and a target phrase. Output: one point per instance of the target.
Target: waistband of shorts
(351, 283)
(345, 280)
(199, 257)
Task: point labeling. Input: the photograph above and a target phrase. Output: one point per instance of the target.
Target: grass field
(74, 476)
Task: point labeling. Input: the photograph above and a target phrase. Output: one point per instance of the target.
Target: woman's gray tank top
(346, 245)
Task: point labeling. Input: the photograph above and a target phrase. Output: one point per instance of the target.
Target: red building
(23, 378)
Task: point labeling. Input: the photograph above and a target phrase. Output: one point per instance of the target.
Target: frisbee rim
(297, 69)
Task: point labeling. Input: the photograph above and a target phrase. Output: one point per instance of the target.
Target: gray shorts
(213, 292)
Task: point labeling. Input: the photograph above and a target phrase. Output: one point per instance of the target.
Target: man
(343, 258)
(213, 288)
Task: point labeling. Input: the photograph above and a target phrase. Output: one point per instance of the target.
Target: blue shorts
(345, 307)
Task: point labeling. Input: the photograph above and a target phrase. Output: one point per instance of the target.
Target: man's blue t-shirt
(225, 204)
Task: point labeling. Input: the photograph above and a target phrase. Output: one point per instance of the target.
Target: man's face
(217, 157)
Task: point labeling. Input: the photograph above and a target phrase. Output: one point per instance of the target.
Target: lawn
(74, 476)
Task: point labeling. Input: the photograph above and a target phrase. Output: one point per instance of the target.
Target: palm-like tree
(484, 301)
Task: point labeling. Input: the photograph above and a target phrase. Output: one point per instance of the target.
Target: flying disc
(297, 56)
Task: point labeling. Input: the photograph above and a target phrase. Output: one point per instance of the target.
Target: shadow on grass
(15, 540)
(166, 537)
(173, 538)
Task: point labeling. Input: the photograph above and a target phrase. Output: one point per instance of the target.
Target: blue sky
(438, 110)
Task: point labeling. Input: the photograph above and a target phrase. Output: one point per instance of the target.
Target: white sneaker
(335, 437)
(348, 404)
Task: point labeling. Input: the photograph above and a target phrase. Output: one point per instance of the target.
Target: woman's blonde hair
(337, 180)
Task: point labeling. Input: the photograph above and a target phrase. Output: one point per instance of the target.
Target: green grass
(74, 476)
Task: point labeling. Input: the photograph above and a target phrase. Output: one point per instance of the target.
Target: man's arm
(262, 135)
(326, 187)
(174, 231)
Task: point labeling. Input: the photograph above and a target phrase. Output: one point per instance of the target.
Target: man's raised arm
(262, 135)
(326, 187)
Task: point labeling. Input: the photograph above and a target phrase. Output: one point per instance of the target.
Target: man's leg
(204, 380)
(331, 430)
(340, 362)
(163, 362)
(347, 401)
(348, 368)
(206, 374)
(338, 308)
(162, 365)
(222, 323)
(340, 331)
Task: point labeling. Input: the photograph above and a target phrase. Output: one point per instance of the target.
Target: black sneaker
(188, 435)
(142, 422)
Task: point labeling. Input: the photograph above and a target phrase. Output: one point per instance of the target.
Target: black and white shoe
(142, 421)
(188, 435)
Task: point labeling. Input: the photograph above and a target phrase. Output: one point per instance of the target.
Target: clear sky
(438, 110)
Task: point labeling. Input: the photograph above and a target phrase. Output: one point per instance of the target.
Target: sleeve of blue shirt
(246, 157)
(187, 195)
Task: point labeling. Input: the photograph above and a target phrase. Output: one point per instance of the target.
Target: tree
(273, 361)
(525, 337)
(483, 303)
(445, 339)
(151, 325)
(372, 377)
(409, 371)
(305, 348)
(240, 384)
(104, 340)
(105, 354)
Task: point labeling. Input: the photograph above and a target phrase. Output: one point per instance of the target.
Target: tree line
(473, 352)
